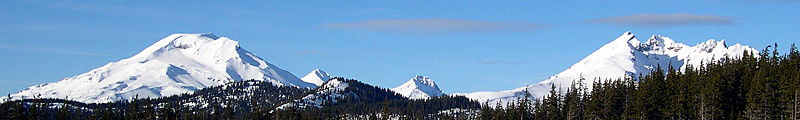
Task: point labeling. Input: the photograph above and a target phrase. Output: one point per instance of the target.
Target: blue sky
(463, 46)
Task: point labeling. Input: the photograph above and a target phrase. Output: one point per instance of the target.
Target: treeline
(235, 100)
(765, 87)
(389, 109)
(364, 101)
(241, 100)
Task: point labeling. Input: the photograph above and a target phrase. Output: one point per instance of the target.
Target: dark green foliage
(765, 87)
(370, 102)
(233, 100)
(242, 100)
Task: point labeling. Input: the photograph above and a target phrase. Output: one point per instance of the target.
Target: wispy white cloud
(435, 25)
(678, 19)
(51, 50)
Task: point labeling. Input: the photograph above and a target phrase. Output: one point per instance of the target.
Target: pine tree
(574, 101)
(552, 104)
(64, 112)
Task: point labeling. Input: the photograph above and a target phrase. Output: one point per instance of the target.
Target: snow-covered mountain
(625, 56)
(419, 87)
(179, 63)
(316, 77)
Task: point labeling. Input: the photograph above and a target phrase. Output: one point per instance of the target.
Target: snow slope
(179, 63)
(316, 77)
(419, 87)
(341, 91)
(330, 92)
(625, 56)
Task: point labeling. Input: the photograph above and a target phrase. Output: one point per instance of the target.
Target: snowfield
(331, 92)
(316, 77)
(419, 87)
(179, 63)
(625, 56)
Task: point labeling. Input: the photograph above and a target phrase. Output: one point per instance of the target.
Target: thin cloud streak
(435, 25)
(678, 19)
(51, 50)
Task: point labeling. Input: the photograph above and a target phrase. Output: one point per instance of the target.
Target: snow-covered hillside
(316, 77)
(330, 92)
(179, 63)
(419, 87)
(625, 56)
(336, 90)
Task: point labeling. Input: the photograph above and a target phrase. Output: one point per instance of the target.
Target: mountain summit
(179, 63)
(316, 77)
(419, 87)
(625, 56)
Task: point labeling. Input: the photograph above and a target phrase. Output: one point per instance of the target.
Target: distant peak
(317, 77)
(178, 63)
(419, 87)
(318, 71)
(626, 39)
(655, 37)
(627, 34)
(655, 42)
(186, 38)
(423, 80)
(189, 41)
(420, 77)
(711, 44)
(196, 35)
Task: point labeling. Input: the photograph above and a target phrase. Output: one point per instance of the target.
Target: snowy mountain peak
(626, 39)
(658, 43)
(186, 42)
(624, 57)
(316, 77)
(209, 35)
(711, 44)
(178, 63)
(419, 87)
(423, 80)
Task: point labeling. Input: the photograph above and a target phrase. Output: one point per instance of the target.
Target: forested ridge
(764, 86)
(241, 99)
(248, 99)
(371, 102)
